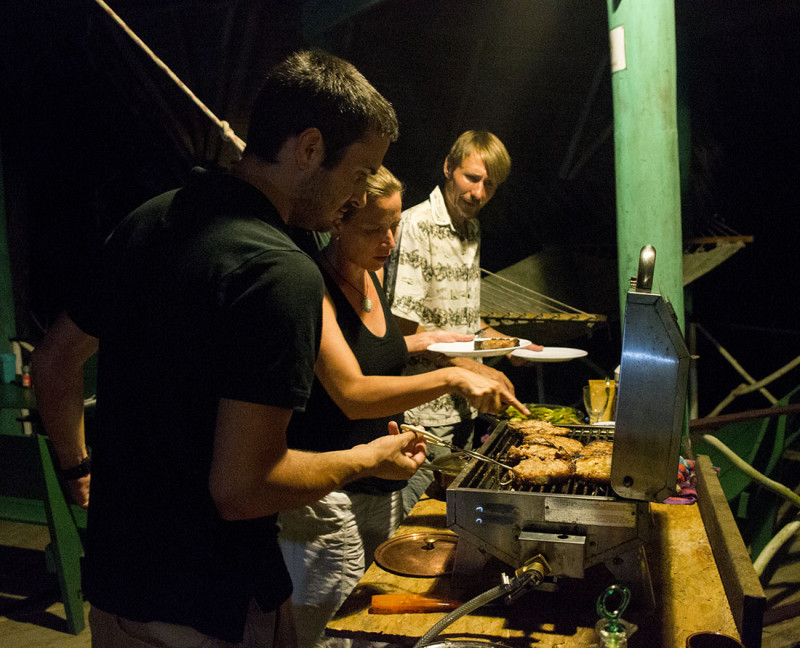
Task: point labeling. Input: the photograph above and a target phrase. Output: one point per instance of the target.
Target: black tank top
(323, 426)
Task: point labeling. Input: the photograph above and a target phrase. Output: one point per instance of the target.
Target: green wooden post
(643, 79)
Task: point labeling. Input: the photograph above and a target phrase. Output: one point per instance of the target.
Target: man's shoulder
(420, 211)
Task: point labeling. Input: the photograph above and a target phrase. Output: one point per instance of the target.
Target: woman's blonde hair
(383, 183)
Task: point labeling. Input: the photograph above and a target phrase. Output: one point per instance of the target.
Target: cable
(741, 464)
(772, 547)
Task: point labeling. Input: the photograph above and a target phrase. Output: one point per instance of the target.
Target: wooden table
(689, 595)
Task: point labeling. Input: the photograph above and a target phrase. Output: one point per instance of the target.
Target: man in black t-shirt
(207, 318)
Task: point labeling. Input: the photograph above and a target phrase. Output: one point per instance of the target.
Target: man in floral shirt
(434, 279)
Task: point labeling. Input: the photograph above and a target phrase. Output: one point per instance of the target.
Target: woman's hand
(487, 391)
(419, 342)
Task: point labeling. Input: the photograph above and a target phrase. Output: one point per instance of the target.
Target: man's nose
(479, 191)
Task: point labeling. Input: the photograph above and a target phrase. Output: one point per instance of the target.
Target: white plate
(467, 349)
(550, 354)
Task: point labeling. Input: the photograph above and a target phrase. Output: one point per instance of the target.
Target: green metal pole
(643, 80)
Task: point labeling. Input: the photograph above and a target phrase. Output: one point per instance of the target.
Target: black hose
(473, 604)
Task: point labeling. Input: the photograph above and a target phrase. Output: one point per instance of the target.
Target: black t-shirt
(323, 427)
(203, 296)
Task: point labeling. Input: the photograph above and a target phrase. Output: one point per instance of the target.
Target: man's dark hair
(314, 89)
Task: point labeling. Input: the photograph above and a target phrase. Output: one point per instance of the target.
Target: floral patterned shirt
(434, 280)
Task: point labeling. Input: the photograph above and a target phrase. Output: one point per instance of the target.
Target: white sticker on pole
(617, 40)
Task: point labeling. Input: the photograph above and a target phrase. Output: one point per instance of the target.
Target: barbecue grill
(575, 525)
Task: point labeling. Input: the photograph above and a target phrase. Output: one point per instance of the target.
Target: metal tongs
(434, 440)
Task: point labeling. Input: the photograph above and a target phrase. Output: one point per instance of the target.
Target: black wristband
(76, 472)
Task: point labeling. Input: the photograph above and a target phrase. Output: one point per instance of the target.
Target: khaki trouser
(262, 630)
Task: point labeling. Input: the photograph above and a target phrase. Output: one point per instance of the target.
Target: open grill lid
(651, 399)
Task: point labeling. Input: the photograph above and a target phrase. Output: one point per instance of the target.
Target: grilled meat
(540, 471)
(528, 451)
(594, 468)
(496, 343)
(566, 446)
(598, 447)
(542, 427)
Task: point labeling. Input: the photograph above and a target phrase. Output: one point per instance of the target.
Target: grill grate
(483, 475)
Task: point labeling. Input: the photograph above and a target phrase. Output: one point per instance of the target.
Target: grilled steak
(565, 445)
(528, 451)
(598, 447)
(539, 471)
(541, 427)
(595, 468)
(496, 343)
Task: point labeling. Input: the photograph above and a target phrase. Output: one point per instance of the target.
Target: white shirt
(437, 283)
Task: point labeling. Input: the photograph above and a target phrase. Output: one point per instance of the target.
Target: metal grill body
(577, 525)
(573, 524)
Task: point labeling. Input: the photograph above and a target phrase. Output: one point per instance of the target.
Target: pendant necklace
(366, 303)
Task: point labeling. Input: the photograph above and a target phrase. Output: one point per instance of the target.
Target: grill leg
(631, 569)
(468, 566)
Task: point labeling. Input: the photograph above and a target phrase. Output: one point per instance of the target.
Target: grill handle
(647, 262)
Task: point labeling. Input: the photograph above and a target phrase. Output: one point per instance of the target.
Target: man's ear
(448, 169)
(336, 227)
(310, 149)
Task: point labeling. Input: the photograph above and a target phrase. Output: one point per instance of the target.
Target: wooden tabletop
(689, 595)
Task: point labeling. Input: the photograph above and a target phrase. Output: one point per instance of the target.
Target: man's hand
(79, 490)
(484, 370)
(521, 362)
(398, 455)
(420, 341)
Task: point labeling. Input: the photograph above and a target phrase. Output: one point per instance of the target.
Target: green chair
(30, 493)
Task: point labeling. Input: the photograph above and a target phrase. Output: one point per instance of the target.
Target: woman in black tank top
(359, 388)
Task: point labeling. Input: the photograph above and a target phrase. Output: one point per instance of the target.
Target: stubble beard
(311, 209)
(460, 212)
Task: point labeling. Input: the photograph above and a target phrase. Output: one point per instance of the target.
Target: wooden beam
(742, 587)
(710, 422)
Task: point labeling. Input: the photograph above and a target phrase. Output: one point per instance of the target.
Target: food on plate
(540, 427)
(539, 471)
(496, 343)
(555, 415)
(565, 445)
(593, 468)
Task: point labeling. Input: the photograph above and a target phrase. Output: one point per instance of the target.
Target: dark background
(90, 127)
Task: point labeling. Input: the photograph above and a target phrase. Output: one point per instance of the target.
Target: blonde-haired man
(434, 279)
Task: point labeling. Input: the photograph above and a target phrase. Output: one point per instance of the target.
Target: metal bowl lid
(418, 554)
